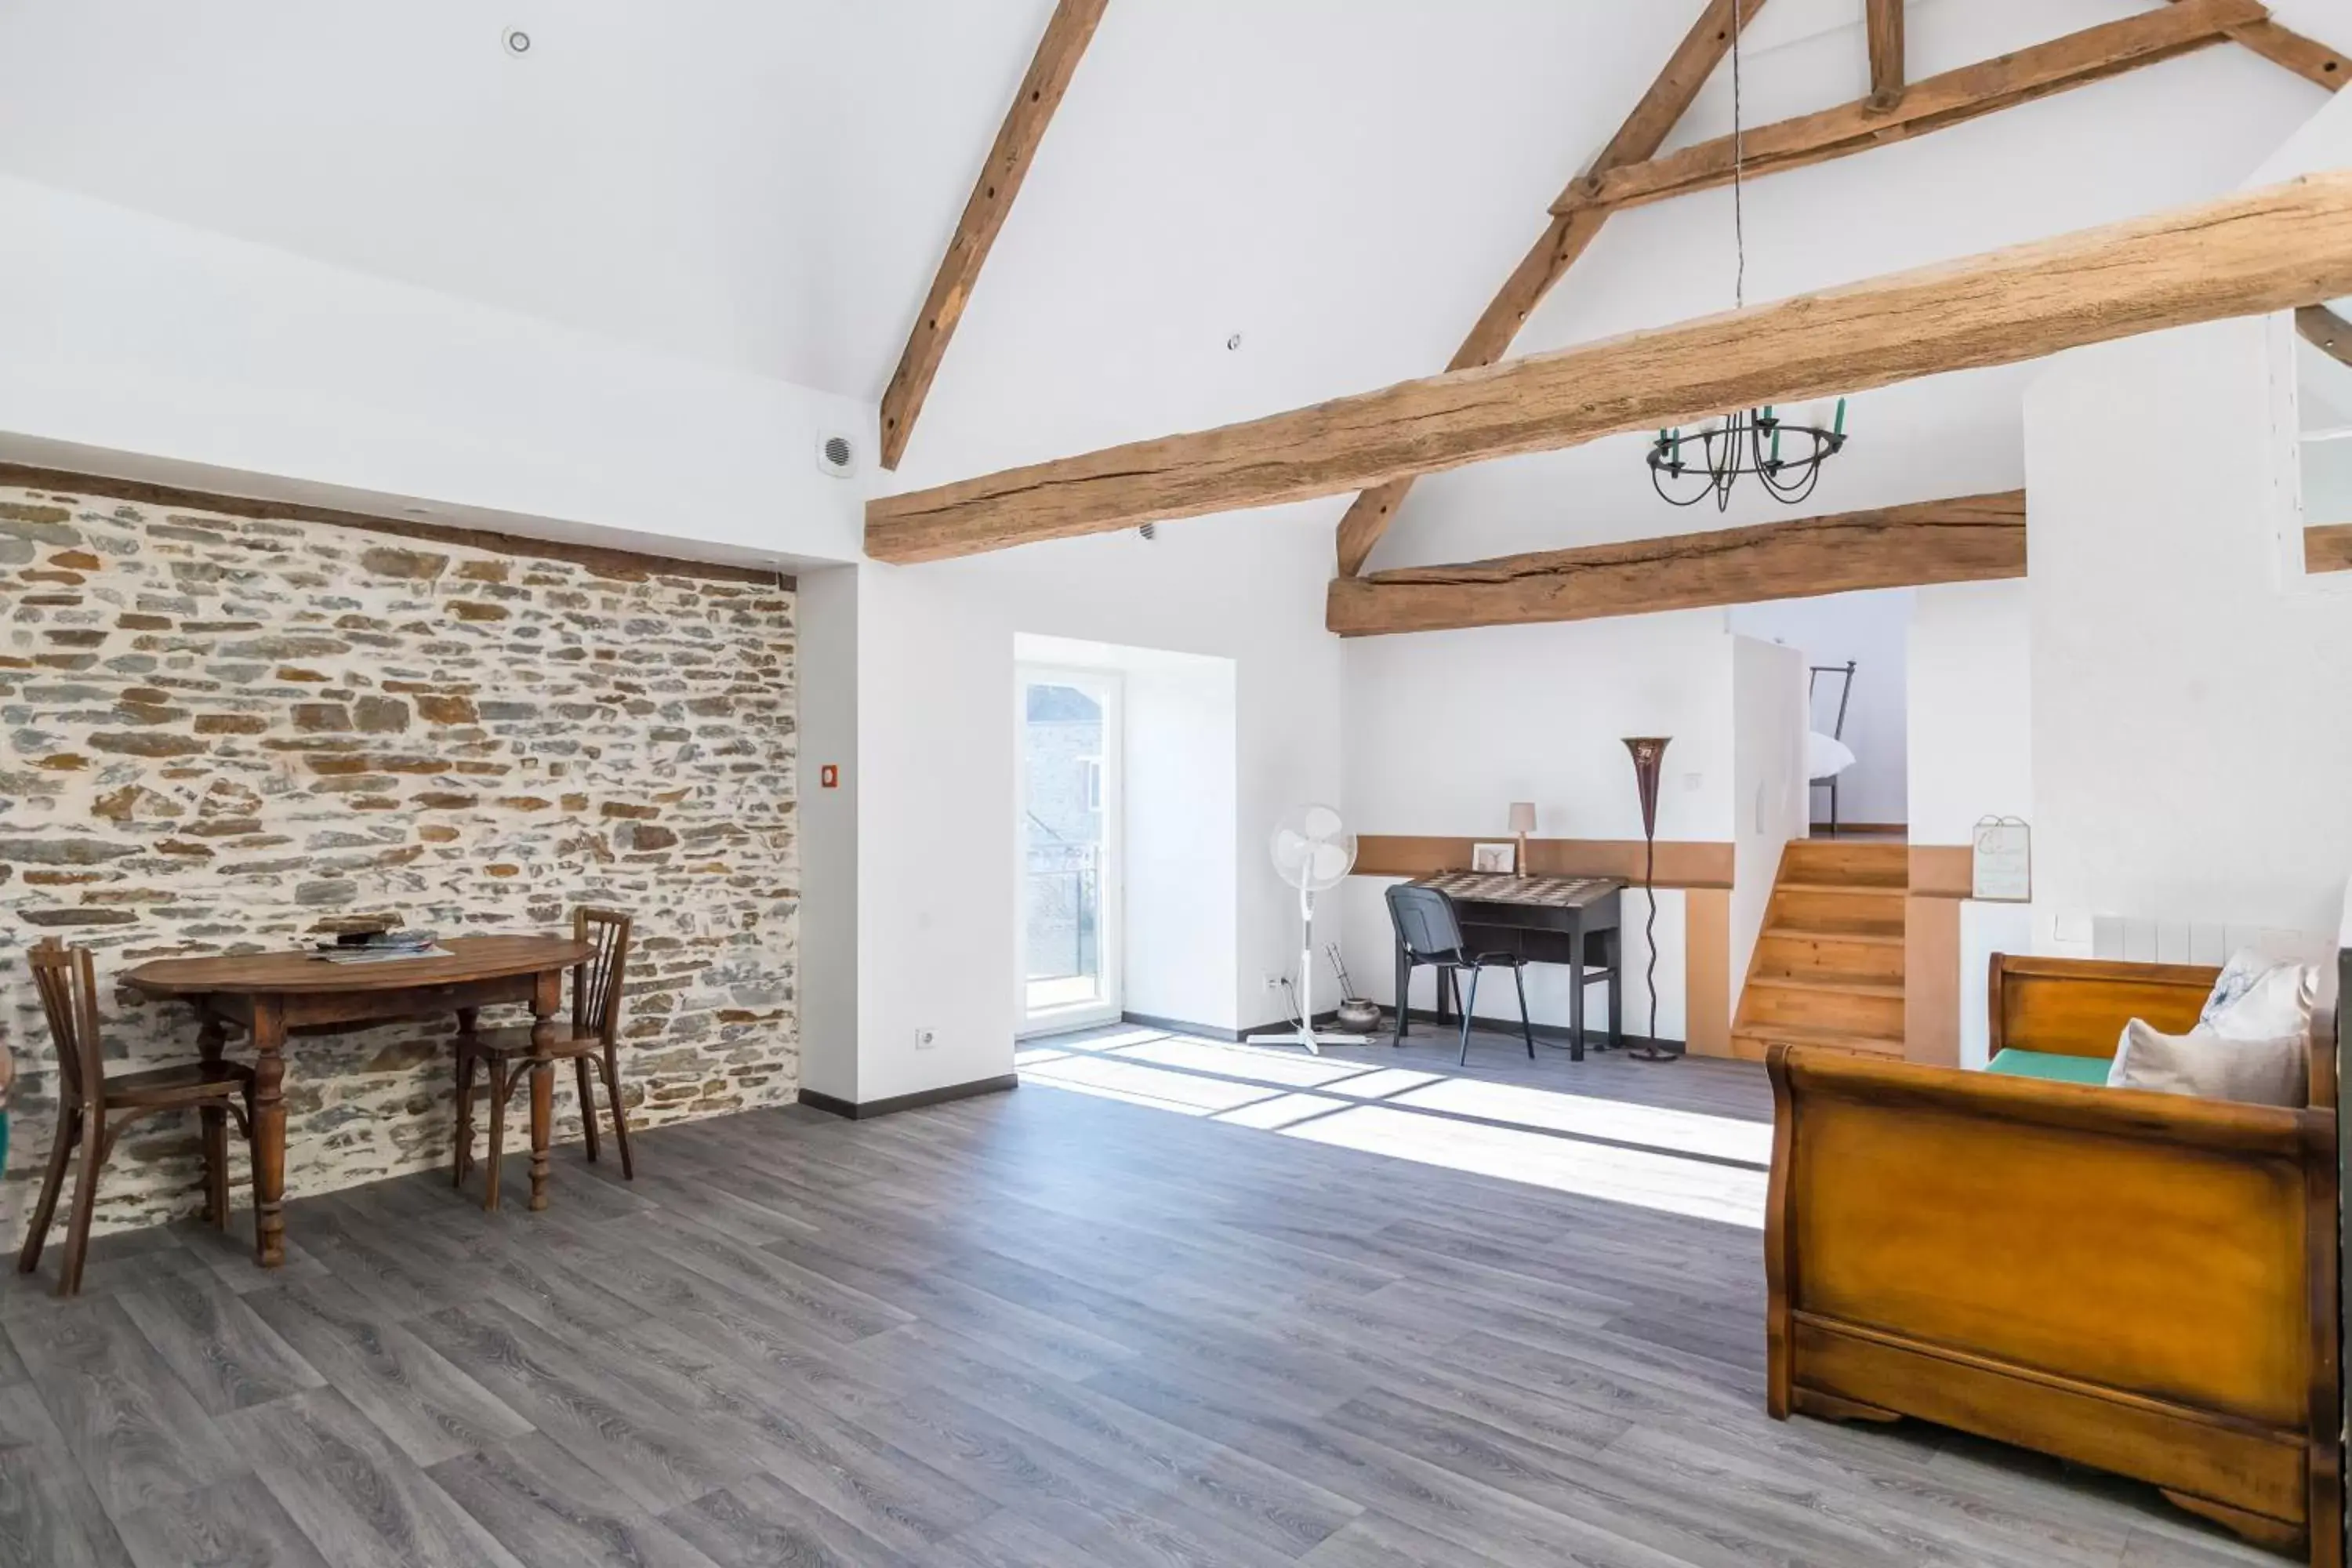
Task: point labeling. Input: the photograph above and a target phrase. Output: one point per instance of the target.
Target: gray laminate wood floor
(1191, 1306)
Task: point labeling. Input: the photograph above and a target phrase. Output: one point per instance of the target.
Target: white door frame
(1108, 687)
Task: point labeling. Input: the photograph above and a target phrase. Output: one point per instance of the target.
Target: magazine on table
(381, 947)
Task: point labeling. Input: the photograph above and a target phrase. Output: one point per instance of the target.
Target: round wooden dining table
(270, 995)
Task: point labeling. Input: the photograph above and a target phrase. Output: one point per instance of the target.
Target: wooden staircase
(1828, 969)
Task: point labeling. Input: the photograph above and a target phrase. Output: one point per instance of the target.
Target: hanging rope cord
(1738, 168)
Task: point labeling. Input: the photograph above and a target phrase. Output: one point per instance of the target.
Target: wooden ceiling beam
(1932, 103)
(1965, 540)
(1067, 34)
(1885, 26)
(2307, 58)
(2326, 331)
(2272, 248)
(1563, 240)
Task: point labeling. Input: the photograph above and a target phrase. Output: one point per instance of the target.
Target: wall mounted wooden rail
(1968, 539)
(1931, 103)
(1564, 239)
(2269, 249)
(1695, 863)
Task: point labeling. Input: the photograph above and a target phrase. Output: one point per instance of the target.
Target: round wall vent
(836, 455)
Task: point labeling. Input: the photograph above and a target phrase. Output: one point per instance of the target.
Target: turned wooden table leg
(546, 996)
(462, 1155)
(211, 1037)
(269, 1130)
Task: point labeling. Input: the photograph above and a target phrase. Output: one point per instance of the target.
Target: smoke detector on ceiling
(517, 42)
(836, 455)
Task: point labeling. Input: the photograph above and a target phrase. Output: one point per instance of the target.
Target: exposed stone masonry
(216, 731)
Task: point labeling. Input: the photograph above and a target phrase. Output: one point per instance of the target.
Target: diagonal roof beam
(1048, 76)
(2269, 249)
(1562, 241)
(1931, 103)
(2307, 58)
(1885, 18)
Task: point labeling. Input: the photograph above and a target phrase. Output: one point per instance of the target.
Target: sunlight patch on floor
(1635, 1177)
(1116, 1079)
(1290, 1067)
(1347, 1114)
(1283, 1111)
(1652, 1127)
(1383, 1083)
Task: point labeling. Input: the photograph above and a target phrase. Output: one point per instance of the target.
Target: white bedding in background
(1825, 755)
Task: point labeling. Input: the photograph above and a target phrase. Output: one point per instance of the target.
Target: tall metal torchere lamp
(1649, 761)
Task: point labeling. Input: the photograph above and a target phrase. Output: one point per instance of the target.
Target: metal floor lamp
(1648, 760)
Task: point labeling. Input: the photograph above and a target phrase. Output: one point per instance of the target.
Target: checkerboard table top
(1502, 887)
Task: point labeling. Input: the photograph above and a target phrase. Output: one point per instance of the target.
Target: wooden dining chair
(94, 1108)
(593, 1045)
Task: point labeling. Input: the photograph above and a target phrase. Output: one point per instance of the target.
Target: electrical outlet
(926, 1038)
(1273, 980)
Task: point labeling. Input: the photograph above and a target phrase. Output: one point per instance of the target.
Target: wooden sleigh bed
(2144, 1283)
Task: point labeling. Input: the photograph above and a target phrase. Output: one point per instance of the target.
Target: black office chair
(1428, 933)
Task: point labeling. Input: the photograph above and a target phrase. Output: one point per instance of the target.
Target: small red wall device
(829, 776)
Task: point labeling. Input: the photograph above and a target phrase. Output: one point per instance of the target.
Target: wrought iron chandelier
(1751, 442)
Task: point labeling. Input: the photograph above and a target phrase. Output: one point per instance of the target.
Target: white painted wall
(1769, 785)
(181, 349)
(1971, 751)
(827, 685)
(1445, 730)
(1972, 755)
(1870, 628)
(1183, 843)
(937, 647)
(2191, 735)
(1180, 904)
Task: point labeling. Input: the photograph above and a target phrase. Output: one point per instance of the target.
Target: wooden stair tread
(1819, 933)
(1839, 984)
(1811, 1034)
(1810, 992)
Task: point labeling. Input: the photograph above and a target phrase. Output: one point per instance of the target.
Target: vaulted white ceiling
(767, 184)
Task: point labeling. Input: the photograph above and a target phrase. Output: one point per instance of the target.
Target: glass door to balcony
(1068, 835)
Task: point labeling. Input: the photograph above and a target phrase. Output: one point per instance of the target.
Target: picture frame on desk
(1498, 860)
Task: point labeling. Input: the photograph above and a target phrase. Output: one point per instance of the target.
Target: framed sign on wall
(2003, 861)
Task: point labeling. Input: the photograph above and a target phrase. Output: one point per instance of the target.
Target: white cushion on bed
(2261, 998)
(2211, 1066)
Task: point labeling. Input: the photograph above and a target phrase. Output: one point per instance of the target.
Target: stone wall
(217, 731)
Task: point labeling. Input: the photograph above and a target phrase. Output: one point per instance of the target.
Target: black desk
(1543, 919)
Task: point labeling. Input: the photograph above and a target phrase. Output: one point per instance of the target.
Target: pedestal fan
(1312, 851)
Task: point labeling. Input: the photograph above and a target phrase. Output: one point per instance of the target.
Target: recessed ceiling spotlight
(1233, 342)
(518, 42)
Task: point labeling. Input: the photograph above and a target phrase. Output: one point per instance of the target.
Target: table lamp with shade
(1523, 822)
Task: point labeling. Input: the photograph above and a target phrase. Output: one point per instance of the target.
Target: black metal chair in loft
(1429, 933)
(1827, 756)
